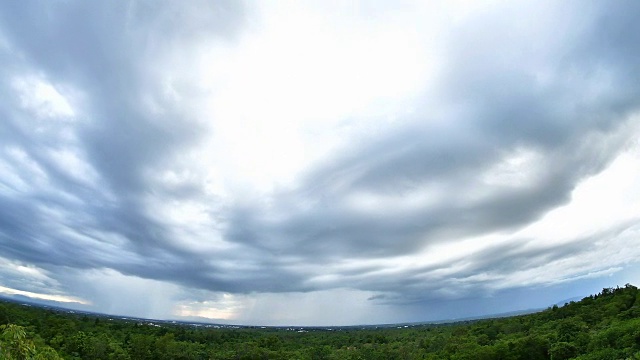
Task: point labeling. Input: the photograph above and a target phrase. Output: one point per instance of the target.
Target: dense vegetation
(602, 326)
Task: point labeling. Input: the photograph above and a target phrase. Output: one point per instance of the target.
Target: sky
(318, 162)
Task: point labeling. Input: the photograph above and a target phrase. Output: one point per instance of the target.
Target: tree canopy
(601, 326)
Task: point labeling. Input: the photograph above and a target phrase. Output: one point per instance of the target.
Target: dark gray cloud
(523, 109)
(109, 52)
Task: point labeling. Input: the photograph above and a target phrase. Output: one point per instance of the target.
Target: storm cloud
(230, 157)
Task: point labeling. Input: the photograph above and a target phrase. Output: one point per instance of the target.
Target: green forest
(601, 326)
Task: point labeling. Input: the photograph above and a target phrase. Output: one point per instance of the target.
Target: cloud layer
(230, 158)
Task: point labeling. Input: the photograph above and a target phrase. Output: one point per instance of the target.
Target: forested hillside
(602, 326)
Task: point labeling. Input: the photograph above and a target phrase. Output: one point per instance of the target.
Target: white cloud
(42, 98)
(602, 201)
(519, 168)
(282, 98)
(32, 281)
(75, 165)
(40, 296)
(22, 173)
(226, 307)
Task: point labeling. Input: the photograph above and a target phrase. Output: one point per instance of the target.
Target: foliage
(15, 345)
(602, 326)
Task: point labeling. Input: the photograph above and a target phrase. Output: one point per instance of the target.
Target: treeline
(603, 326)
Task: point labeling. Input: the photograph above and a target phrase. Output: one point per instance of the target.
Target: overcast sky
(318, 163)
